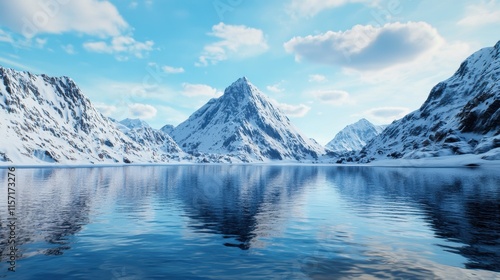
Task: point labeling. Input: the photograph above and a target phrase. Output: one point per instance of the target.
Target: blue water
(254, 222)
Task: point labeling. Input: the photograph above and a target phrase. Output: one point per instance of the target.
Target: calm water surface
(254, 222)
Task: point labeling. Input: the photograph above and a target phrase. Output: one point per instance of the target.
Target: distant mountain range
(156, 140)
(49, 120)
(354, 136)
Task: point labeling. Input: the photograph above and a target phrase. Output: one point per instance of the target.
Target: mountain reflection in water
(294, 222)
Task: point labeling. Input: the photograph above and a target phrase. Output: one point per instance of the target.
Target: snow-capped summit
(354, 136)
(241, 88)
(134, 123)
(243, 122)
(460, 116)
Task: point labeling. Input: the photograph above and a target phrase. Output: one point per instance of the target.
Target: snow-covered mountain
(48, 120)
(460, 116)
(245, 124)
(354, 136)
(140, 131)
(167, 129)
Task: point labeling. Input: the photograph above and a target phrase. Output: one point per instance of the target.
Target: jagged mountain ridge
(460, 116)
(49, 120)
(140, 131)
(134, 123)
(243, 122)
(354, 136)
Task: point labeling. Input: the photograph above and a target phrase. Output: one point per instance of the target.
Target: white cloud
(193, 90)
(91, 17)
(387, 114)
(479, 14)
(121, 46)
(32, 17)
(334, 97)
(172, 70)
(105, 109)
(237, 41)
(70, 49)
(276, 88)
(315, 78)
(142, 111)
(309, 8)
(296, 111)
(366, 47)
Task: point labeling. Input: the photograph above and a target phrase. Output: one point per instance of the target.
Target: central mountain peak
(244, 122)
(241, 82)
(241, 88)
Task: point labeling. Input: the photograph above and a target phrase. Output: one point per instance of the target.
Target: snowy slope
(354, 136)
(460, 116)
(245, 124)
(48, 120)
(140, 131)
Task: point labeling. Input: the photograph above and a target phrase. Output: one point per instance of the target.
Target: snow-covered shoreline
(437, 162)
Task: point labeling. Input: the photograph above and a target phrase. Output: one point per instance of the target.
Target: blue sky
(326, 63)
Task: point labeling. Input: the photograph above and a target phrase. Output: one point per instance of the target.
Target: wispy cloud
(297, 111)
(309, 8)
(236, 41)
(316, 78)
(19, 65)
(386, 114)
(121, 45)
(5, 37)
(69, 48)
(333, 97)
(276, 88)
(193, 90)
(133, 4)
(479, 14)
(172, 70)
